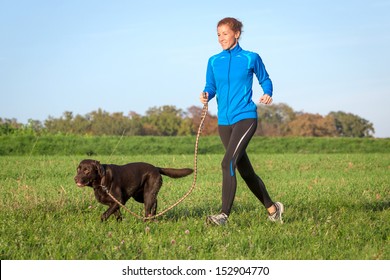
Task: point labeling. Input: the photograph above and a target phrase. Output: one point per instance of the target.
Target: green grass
(337, 207)
(151, 145)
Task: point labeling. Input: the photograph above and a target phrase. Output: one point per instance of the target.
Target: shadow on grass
(377, 206)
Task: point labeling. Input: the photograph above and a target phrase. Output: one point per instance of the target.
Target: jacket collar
(234, 50)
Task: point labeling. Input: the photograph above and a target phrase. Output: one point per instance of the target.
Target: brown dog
(139, 180)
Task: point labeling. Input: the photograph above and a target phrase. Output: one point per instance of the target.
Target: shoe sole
(211, 221)
(281, 212)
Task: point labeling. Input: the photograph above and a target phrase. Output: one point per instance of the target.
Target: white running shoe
(277, 216)
(219, 220)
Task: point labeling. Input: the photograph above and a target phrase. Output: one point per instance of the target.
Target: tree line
(274, 120)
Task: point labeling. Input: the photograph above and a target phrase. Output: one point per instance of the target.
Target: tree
(33, 127)
(81, 125)
(311, 125)
(273, 119)
(8, 126)
(165, 120)
(210, 126)
(61, 125)
(350, 125)
(185, 127)
(135, 127)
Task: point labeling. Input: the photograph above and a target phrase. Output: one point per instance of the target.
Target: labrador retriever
(139, 180)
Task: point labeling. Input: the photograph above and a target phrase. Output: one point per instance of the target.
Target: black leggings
(236, 138)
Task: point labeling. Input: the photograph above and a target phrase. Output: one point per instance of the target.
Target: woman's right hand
(204, 98)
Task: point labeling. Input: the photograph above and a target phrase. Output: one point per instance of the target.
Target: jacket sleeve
(210, 87)
(262, 76)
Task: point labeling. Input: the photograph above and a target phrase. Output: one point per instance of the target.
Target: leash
(203, 117)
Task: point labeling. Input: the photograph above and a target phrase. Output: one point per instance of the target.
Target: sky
(123, 56)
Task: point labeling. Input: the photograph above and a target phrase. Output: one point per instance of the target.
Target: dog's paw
(104, 217)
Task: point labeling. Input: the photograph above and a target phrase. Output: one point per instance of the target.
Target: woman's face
(227, 37)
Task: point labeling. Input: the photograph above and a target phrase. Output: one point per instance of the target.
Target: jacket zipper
(228, 93)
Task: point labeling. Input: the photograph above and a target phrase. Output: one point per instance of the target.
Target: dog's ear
(100, 169)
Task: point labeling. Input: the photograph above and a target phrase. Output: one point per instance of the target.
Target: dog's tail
(174, 172)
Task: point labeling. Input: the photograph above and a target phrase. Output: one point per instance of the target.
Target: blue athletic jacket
(229, 77)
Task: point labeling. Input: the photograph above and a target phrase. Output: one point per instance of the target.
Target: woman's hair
(233, 23)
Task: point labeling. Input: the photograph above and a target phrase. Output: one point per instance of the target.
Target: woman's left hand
(266, 99)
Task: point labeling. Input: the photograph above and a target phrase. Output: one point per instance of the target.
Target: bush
(156, 145)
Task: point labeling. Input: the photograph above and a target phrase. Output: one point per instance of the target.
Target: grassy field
(337, 207)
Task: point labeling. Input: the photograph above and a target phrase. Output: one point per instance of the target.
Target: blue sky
(122, 56)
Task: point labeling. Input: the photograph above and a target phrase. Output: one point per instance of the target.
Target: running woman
(229, 78)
